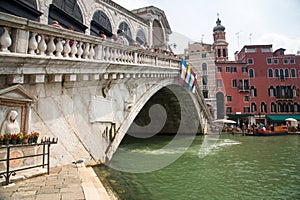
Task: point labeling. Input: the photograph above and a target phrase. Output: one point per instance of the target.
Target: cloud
(291, 44)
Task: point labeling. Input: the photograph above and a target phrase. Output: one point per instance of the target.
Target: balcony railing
(23, 36)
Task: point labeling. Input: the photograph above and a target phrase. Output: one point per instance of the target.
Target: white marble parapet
(46, 46)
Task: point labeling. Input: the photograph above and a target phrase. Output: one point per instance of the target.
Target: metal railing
(45, 143)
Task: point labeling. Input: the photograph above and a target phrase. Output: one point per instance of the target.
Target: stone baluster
(42, 46)
(117, 53)
(59, 47)
(67, 48)
(107, 53)
(5, 40)
(98, 52)
(79, 50)
(130, 57)
(51, 46)
(73, 49)
(92, 52)
(33, 45)
(86, 50)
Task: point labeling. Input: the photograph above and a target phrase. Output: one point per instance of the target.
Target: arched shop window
(22, 8)
(67, 13)
(125, 28)
(140, 37)
(99, 22)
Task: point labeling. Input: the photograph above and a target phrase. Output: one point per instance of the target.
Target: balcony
(244, 88)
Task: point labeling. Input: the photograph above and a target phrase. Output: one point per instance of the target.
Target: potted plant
(25, 138)
(14, 138)
(34, 136)
(6, 138)
(20, 137)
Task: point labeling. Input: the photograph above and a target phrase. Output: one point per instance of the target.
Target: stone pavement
(63, 183)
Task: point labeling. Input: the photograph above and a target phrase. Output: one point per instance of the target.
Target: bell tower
(220, 45)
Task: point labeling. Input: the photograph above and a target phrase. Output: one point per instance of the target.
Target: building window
(246, 98)
(263, 107)
(292, 61)
(253, 107)
(286, 73)
(245, 69)
(266, 50)
(204, 80)
(294, 91)
(281, 74)
(271, 91)
(293, 73)
(227, 69)
(219, 83)
(224, 53)
(277, 73)
(253, 91)
(269, 61)
(229, 98)
(204, 67)
(275, 61)
(246, 109)
(233, 69)
(273, 107)
(250, 61)
(234, 83)
(270, 73)
(219, 52)
(219, 69)
(228, 110)
(285, 61)
(251, 73)
(203, 55)
(205, 94)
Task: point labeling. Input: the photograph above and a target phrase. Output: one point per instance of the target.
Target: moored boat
(272, 131)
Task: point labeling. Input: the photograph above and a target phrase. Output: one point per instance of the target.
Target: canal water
(212, 167)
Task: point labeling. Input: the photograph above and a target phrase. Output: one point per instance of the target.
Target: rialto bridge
(88, 94)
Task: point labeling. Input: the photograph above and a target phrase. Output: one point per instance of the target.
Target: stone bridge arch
(186, 104)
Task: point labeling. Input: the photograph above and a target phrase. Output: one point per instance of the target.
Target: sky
(246, 22)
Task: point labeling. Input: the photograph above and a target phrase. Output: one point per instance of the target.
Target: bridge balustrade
(23, 36)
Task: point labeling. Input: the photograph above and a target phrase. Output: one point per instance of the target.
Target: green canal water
(231, 167)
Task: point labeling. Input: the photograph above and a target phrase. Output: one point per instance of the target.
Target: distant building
(259, 86)
(274, 79)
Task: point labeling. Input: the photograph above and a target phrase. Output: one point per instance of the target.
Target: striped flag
(187, 75)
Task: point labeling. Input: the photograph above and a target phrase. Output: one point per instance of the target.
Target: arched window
(271, 91)
(280, 109)
(157, 34)
(100, 22)
(286, 73)
(140, 37)
(253, 107)
(204, 67)
(273, 107)
(263, 107)
(67, 13)
(296, 106)
(270, 73)
(22, 8)
(284, 107)
(125, 28)
(293, 73)
(281, 74)
(252, 91)
(251, 73)
(294, 91)
(276, 73)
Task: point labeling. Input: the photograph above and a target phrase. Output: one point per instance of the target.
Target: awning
(282, 117)
(238, 116)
